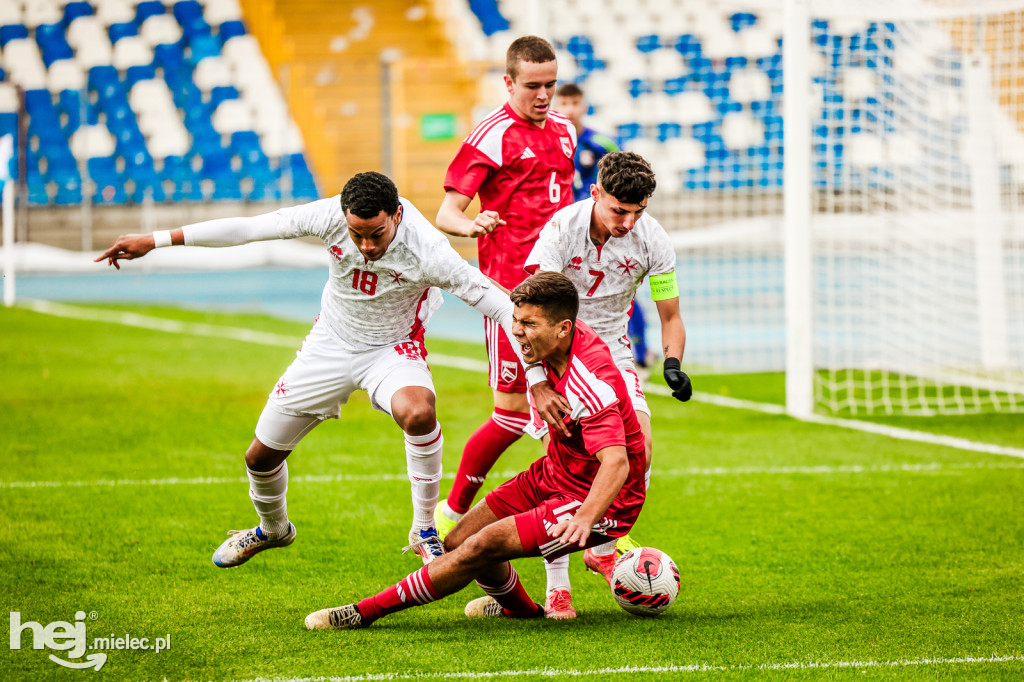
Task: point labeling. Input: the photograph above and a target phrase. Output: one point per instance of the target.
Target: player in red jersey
(519, 160)
(587, 490)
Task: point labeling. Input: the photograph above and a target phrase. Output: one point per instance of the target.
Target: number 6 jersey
(605, 276)
(521, 171)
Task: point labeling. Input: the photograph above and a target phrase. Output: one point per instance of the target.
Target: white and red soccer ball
(645, 581)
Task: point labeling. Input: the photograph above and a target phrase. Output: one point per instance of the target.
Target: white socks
(267, 489)
(423, 462)
(558, 573)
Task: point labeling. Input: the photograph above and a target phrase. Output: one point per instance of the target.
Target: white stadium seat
(85, 29)
(66, 74)
(750, 85)
(114, 11)
(38, 12)
(160, 29)
(131, 51)
(740, 130)
(92, 141)
(8, 98)
(25, 64)
(232, 116)
(10, 12)
(212, 72)
(684, 153)
(219, 11)
(692, 108)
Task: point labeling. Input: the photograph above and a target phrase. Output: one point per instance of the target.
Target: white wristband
(535, 374)
(161, 238)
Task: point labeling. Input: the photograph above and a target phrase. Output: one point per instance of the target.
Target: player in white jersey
(386, 260)
(606, 244)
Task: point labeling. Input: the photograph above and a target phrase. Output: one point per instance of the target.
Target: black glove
(677, 380)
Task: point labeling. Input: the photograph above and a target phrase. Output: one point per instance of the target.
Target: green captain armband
(664, 287)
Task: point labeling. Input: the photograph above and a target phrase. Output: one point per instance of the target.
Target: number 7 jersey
(605, 276)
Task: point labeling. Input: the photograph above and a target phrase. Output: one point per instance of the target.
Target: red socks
(512, 596)
(413, 590)
(482, 450)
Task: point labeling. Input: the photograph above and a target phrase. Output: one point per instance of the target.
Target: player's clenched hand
(485, 222)
(575, 530)
(127, 247)
(551, 405)
(677, 380)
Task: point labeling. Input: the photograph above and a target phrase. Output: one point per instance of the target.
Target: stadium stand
(132, 102)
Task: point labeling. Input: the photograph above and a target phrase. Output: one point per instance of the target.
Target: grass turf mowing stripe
(251, 336)
(633, 670)
(656, 474)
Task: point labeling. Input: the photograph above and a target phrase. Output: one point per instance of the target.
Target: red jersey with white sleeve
(521, 171)
(601, 416)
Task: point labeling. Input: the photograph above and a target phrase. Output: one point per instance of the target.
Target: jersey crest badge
(509, 370)
(566, 146)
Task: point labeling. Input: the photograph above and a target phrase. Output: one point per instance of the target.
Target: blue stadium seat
(202, 46)
(52, 43)
(229, 30)
(147, 9)
(73, 10)
(12, 32)
(118, 31)
(648, 43)
(134, 74)
(491, 19)
(221, 93)
(109, 184)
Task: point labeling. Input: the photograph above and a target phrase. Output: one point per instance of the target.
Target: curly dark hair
(552, 291)
(367, 194)
(527, 49)
(626, 176)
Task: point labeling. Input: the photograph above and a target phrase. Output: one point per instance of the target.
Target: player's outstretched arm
(132, 246)
(673, 342)
(452, 218)
(608, 481)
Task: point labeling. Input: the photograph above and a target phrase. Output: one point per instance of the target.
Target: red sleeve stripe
(485, 127)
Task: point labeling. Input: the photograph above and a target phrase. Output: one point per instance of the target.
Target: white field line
(695, 472)
(248, 335)
(648, 670)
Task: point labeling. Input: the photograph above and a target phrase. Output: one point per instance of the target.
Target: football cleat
(484, 607)
(559, 605)
(602, 565)
(444, 524)
(625, 544)
(244, 544)
(341, 618)
(425, 543)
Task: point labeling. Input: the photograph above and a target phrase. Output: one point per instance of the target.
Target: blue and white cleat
(244, 544)
(426, 543)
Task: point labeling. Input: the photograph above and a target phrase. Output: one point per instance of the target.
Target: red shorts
(535, 511)
(506, 374)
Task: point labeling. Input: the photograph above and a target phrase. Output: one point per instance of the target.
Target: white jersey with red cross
(366, 304)
(605, 276)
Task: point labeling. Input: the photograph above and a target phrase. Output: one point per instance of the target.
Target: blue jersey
(590, 147)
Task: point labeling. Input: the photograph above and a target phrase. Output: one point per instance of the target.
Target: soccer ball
(645, 581)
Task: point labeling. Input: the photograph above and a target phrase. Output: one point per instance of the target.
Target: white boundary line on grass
(268, 339)
(823, 470)
(629, 670)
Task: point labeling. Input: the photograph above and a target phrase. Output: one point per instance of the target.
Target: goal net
(915, 236)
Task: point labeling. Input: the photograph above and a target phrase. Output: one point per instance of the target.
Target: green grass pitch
(805, 551)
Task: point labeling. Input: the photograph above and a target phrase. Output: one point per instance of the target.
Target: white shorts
(622, 355)
(323, 376)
